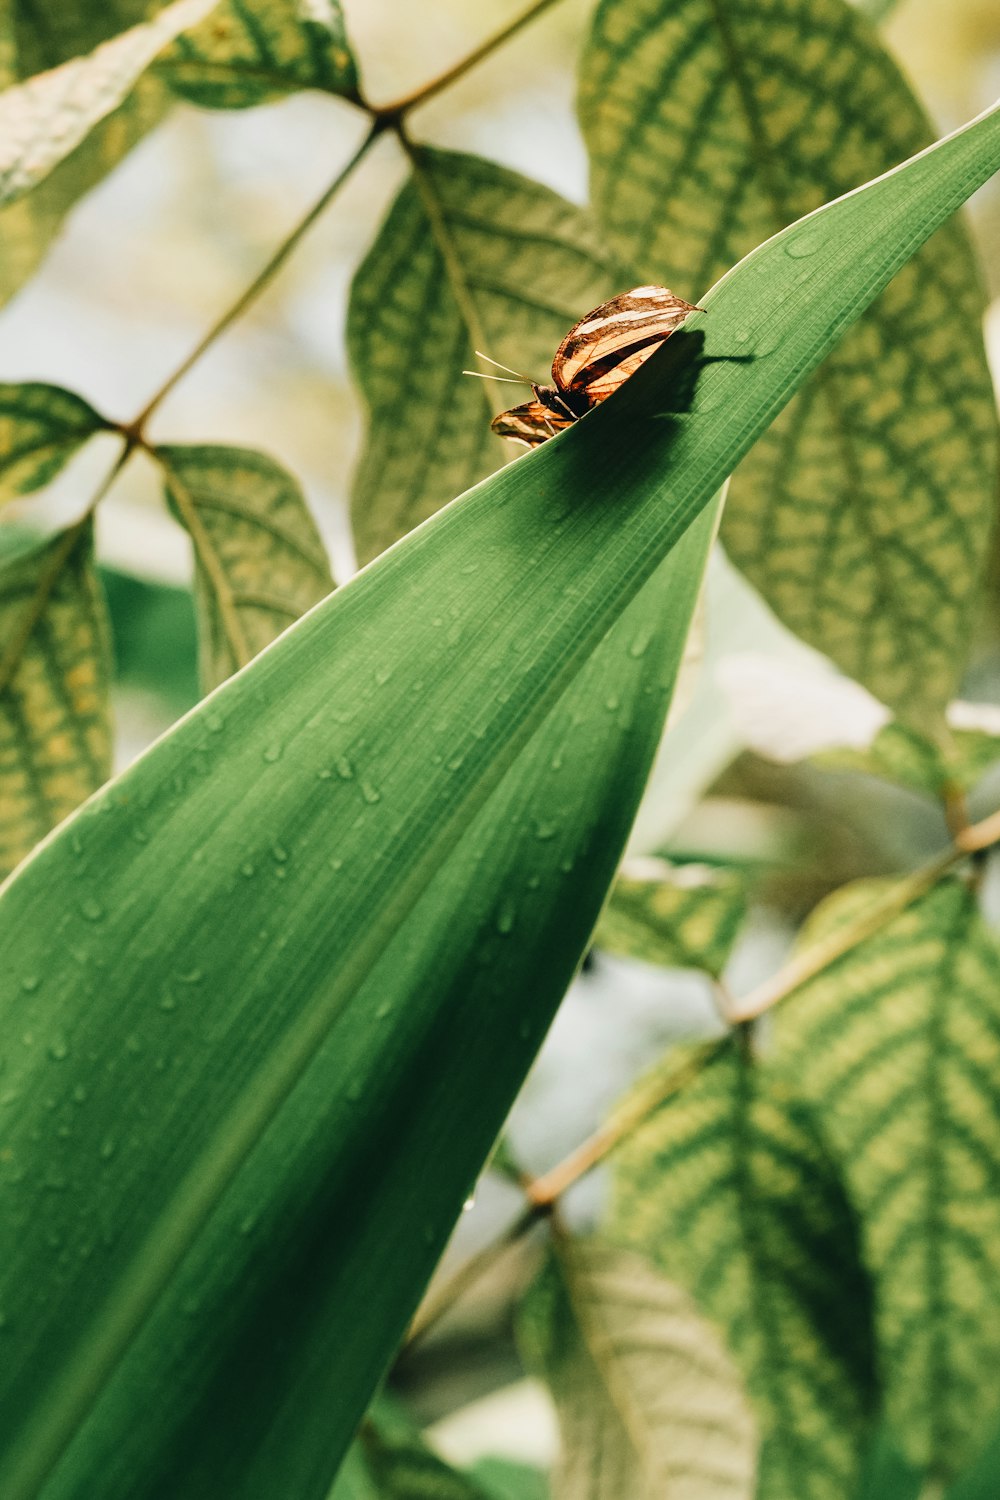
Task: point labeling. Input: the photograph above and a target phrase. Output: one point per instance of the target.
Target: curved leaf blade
(249, 52)
(650, 1404)
(864, 515)
(55, 729)
(260, 559)
(41, 427)
(500, 599)
(471, 256)
(898, 1047)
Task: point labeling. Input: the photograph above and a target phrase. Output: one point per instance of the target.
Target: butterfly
(595, 357)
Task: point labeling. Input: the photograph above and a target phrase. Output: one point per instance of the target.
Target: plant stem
(400, 107)
(260, 282)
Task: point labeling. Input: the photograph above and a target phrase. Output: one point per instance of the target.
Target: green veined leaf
(41, 426)
(260, 560)
(679, 916)
(484, 617)
(39, 38)
(865, 513)
(55, 731)
(898, 1047)
(43, 119)
(901, 754)
(251, 51)
(506, 1479)
(471, 256)
(403, 1467)
(650, 1405)
(727, 1187)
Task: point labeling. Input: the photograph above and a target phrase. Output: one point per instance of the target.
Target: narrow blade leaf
(407, 697)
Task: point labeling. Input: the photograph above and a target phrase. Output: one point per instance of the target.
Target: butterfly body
(597, 355)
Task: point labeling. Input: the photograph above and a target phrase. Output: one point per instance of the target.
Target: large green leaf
(44, 118)
(471, 256)
(55, 732)
(221, 930)
(650, 1404)
(251, 51)
(728, 1188)
(41, 426)
(865, 513)
(898, 1045)
(259, 558)
(680, 916)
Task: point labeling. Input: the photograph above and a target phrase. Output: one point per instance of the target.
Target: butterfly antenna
(526, 379)
(503, 379)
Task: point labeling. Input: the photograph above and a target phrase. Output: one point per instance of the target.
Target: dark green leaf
(248, 1217)
(650, 1405)
(864, 515)
(55, 732)
(251, 51)
(898, 1047)
(260, 560)
(41, 426)
(728, 1188)
(678, 916)
(471, 256)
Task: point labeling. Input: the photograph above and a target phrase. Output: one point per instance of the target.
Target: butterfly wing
(531, 423)
(610, 343)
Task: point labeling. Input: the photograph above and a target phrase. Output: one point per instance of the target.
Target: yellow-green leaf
(471, 256)
(39, 38)
(898, 1047)
(55, 733)
(727, 1187)
(678, 916)
(41, 426)
(260, 562)
(251, 51)
(902, 754)
(864, 513)
(650, 1404)
(43, 119)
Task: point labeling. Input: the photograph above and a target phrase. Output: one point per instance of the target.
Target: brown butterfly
(595, 357)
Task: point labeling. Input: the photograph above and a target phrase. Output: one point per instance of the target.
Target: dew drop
(640, 645)
(383, 1010)
(505, 920)
(247, 869)
(805, 242)
(79, 1094)
(193, 976)
(344, 768)
(92, 909)
(469, 1203)
(214, 723)
(108, 1148)
(546, 831)
(355, 1091)
(168, 1001)
(59, 1049)
(30, 983)
(279, 853)
(370, 793)
(336, 864)
(273, 753)
(325, 774)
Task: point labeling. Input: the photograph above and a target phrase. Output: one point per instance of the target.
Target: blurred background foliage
(143, 266)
